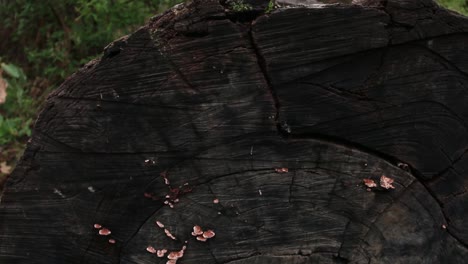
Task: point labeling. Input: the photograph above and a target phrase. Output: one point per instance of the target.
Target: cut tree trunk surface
(260, 126)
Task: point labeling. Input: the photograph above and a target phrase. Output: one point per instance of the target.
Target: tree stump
(280, 131)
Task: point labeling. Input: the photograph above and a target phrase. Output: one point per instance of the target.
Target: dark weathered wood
(210, 102)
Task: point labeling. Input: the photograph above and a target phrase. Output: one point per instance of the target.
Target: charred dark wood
(260, 127)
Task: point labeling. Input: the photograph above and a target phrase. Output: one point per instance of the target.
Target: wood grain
(258, 126)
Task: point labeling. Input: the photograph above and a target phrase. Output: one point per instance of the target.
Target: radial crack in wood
(219, 135)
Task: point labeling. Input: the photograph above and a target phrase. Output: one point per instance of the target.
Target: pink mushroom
(386, 182)
(161, 225)
(197, 230)
(370, 183)
(161, 253)
(208, 234)
(201, 238)
(151, 249)
(104, 232)
(173, 255)
(168, 234)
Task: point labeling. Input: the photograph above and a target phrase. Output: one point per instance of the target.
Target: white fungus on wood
(386, 182)
(151, 249)
(161, 225)
(168, 234)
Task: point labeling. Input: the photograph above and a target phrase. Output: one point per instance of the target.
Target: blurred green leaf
(11, 70)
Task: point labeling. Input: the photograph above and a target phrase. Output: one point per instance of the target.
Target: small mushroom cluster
(159, 252)
(385, 182)
(173, 256)
(171, 198)
(174, 193)
(202, 235)
(104, 232)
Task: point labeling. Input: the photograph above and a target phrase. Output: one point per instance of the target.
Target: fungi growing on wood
(281, 170)
(337, 93)
(197, 230)
(104, 232)
(174, 194)
(164, 175)
(202, 235)
(208, 234)
(151, 161)
(151, 250)
(176, 255)
(386, 182)
(169, 234)
(161, 252)
(201, 238)
(161, 225)
(370, 183)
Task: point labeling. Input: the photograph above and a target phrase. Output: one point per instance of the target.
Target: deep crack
(262, 64)
(418, 175)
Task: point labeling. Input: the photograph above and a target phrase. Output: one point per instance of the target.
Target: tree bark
(261, 127)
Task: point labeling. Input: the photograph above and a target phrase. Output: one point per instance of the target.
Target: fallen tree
(246, 132)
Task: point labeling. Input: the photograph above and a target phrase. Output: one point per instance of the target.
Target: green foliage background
(461, 6)
(51, 38)
(45, 41)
